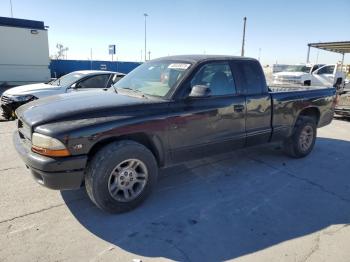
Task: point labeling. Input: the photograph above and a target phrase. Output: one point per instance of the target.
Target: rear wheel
(302, 141)
(120, 176)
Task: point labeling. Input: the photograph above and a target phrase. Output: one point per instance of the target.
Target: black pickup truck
(166, 111)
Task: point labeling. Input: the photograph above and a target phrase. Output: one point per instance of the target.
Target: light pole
(11, 8)
(145, 15)
(243, 40)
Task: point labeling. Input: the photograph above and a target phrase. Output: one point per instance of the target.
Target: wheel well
(141, 138)
(312, 112)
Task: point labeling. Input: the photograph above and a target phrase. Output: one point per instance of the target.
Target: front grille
(5, 99)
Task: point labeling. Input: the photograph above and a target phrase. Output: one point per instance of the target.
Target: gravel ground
(252, 205)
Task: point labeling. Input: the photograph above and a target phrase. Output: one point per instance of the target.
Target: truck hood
(288, 74)
(79, 105)
(29, 89)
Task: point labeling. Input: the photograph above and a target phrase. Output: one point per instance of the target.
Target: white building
(24, 52)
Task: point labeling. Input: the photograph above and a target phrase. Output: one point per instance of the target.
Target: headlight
(23, 98)
(48, 146)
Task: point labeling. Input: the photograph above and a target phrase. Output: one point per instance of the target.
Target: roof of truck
(200, 58)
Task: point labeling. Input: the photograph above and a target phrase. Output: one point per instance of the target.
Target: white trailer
(24, 52)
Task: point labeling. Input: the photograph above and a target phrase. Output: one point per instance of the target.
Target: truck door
(324, 76)
(251, 83)
(201, 126)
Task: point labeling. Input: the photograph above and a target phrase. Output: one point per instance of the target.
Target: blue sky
(281, 29)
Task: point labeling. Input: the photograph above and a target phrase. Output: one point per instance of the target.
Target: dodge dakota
(165, 111)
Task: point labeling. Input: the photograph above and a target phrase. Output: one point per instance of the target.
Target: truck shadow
(231, 205)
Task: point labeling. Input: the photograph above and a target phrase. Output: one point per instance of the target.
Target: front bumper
(55, 173)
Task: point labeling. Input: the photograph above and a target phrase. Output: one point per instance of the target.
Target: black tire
(293, 145)
(100, 168)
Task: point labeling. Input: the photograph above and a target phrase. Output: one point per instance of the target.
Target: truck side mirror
(200, 91)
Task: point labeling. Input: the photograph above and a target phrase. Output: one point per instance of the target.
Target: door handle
(238, 108)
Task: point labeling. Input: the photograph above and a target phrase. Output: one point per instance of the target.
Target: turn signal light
(50, 152)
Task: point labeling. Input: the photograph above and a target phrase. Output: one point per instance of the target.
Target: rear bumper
(55, 173)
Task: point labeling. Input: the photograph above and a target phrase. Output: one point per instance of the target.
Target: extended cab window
(217, 76)
(251, 78)
(99, 81)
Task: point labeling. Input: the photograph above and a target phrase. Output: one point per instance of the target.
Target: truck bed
(287, 102)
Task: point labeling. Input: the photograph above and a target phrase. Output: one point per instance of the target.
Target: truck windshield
(298, 68)
(154, 78)
(67, 79)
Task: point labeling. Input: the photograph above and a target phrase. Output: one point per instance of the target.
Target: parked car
(343, 105)
(322, 75)
(164, 112)
(347, 85)
(75, 81)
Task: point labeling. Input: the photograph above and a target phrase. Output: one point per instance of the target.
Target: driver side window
(98, 81)
(217, 77)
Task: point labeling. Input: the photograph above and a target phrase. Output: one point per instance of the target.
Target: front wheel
(121, 176)
(302, 141)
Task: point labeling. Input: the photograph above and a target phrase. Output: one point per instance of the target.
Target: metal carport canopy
(342, 47)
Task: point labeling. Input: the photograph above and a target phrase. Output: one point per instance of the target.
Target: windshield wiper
(132, 90)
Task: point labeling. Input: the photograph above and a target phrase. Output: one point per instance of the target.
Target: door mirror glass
(74, 86)
(200, 91)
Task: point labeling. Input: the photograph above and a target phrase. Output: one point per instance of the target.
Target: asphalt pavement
(251, 205)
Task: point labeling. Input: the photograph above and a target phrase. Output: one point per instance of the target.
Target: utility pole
(90, 58)
(259, 54)
(149, 55)
(145, 15)
(243, 40)
(141, 56)
(11, 8)
(308, 54)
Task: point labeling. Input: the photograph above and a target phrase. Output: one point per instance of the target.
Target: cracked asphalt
(252, 205)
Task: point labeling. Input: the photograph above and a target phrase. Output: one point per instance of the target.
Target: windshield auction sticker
(179, 66)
